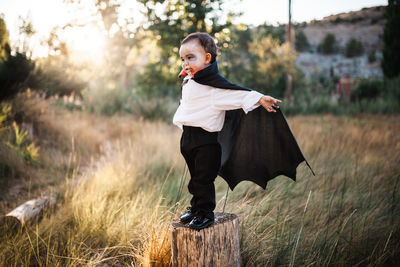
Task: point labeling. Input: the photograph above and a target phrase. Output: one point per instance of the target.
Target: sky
(276, 11)
(45, 14)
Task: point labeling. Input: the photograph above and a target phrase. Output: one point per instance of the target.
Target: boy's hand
(268, 102)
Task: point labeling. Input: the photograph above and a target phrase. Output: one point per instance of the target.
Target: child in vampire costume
(226, 132)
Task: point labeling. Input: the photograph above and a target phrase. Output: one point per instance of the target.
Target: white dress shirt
(204, 106)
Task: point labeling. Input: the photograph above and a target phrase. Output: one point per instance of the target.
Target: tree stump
(217, 245)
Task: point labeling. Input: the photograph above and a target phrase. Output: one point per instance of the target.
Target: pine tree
(391, 40)
(328, 44)
(301, 42)
(354, 48)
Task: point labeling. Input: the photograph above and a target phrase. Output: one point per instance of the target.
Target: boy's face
(194, 57)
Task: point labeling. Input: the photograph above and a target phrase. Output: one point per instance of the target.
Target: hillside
(365, 25)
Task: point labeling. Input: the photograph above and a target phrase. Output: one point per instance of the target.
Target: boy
(201, 115)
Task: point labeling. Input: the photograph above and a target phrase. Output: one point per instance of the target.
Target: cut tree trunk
(217, 245)
(29, 210)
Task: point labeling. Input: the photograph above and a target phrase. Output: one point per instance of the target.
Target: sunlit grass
(118, 209)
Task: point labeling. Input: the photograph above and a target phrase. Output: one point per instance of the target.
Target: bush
(23, 147)
(15, 138)
(354, 48)
(14, 74)
(367, 89)
(372, 57)
(17, 73)
(53, 80)
(100, 100)
(310, 98)
(127, 100)
(328, 44)
(393, 89)
(369, 96)
(157, 80)
(156, 109)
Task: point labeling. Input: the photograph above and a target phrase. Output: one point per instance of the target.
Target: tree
(391, 40)
(117, 31)
(276, 32)
(354, 48)
(14, 70)
(273, 60)
(14, 75)
(289, 40)
(328, 44)
(301, 43)
(182, 17)
(4, 40)
(235, 59)
(168, 23)
(26, 31)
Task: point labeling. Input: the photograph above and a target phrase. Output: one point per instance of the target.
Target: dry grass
(116, 211)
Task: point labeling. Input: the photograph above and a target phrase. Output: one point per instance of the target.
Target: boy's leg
(202, 153)
(187, 151)
(207, 160)
(189, 159)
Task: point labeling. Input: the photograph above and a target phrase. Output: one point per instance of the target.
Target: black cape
(256, 146)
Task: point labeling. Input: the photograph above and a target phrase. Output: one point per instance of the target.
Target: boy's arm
(225, 99)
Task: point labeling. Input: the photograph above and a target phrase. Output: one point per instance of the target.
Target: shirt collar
(209, 70)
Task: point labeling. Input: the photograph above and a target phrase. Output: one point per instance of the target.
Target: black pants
(202, 153)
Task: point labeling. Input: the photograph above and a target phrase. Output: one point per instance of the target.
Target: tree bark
(217, 245)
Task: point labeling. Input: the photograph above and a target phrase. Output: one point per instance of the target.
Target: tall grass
(117, 211)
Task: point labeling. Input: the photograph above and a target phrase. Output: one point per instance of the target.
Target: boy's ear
(208, 58)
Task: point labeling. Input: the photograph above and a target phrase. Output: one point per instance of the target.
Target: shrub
(100, 100)
(393, 89)
(54, 80)
(367, 89)
(372, 56)
(128, 100)
(14, 73)
(155, 109)
(156, 80)
(18, 73)
(26, 150)
(14, 143)
(354, 48)
(369, 96)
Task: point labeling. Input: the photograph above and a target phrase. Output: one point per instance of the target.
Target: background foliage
(139, 74)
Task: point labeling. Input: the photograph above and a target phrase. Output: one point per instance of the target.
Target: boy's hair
(206, 41)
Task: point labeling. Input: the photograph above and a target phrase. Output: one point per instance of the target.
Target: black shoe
(200, 222)
(188, 216)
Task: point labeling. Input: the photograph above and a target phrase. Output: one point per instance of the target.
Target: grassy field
(121, 180)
